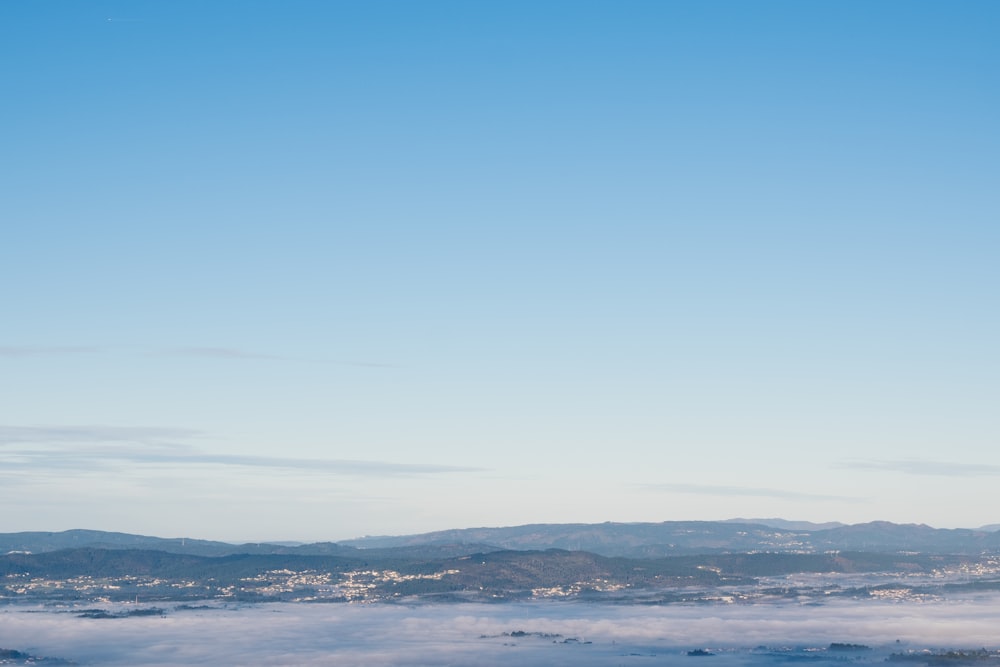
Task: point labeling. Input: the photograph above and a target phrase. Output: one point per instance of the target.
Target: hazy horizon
(348, 538)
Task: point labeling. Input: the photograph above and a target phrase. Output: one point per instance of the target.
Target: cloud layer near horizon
(295, 634)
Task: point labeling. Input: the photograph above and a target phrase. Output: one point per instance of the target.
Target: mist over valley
(89, 597)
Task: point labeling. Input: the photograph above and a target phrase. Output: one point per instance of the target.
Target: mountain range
(646, 563)
(652, 540)
(633, 540)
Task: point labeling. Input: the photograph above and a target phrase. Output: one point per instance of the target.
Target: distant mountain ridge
(632, 540)
(35, 542)
(785, 524)
(653, 540)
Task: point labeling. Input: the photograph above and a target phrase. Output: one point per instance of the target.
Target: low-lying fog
(467, 634)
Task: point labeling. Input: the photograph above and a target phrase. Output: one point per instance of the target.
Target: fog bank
(299, 634)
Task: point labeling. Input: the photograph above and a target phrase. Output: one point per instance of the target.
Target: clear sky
(314, 269)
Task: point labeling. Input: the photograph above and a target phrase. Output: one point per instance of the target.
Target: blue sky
(311, 270)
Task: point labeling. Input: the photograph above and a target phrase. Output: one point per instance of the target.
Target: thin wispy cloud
(90, 447)
(93, 433)
(234, 353)
(45, 350)
(367, 364)
(339, 466)
(217, 353)
(924, 467)
(746, 491)
(220, 352)
(94, 459)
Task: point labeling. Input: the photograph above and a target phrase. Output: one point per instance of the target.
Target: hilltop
(632, 540)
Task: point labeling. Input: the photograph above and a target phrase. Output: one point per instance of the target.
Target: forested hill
(650, 540)
(634, 540)
(42, 542)
(108, 575)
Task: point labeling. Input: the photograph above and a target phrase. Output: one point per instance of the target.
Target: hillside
(650, 540)
(632, 540)
(126, 574)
